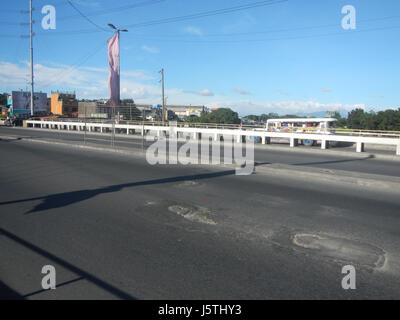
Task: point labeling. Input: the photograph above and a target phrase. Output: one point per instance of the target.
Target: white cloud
(90, 82)
(326, 90)
(245, 107)
(205, 92)
(152, 50)
(193, 30)
(241, 91)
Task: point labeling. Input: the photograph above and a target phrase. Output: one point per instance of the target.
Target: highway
(263, 154)
(115, 227)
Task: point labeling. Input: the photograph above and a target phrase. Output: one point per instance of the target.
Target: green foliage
(354, 118)
(222, 115)
(192, 118)
(263, 117)
(3, 99)
(383, 120)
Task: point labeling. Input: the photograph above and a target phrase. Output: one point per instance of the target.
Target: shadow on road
(59, 200)
(333, 161)
(83, 274)
(6, 293)
(57, 286)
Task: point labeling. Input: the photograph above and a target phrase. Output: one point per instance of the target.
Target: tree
(192, 118)
(3, 99)
(222, 115)
(354, 118)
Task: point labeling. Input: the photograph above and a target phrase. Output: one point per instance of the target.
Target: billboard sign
(21, 102)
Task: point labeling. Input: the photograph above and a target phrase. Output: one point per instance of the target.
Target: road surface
(115, 227)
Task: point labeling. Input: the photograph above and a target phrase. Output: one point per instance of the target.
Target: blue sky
(288, 56)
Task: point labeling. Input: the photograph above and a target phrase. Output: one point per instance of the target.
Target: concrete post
(398, 149)
(324, 144)
(194, 135)
(263, 140)
(294, 142)
(215, 136)
(239, 138)
(360, 147)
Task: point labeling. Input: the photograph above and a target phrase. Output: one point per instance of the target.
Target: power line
(277, 39)
(74, 66)
(206, 13)
(112, 10)
(269, 31)
(85, 17)
(182, 18)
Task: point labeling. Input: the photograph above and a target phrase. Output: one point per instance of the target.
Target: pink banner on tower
(113, 62)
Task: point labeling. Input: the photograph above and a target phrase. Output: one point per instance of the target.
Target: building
(100, 110)
(93, 109)
(3, 109)
(185, 111)
(20, 103)
(64, 104)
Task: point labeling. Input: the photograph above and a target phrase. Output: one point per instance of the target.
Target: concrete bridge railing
(265, 136)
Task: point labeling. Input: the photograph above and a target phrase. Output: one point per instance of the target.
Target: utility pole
(162, 92)
(31, 36)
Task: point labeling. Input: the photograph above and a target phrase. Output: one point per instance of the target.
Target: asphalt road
(352, 162)
(115, 227)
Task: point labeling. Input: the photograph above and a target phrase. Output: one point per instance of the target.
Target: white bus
(302, 125)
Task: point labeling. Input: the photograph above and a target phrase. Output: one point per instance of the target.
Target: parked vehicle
(302, 125)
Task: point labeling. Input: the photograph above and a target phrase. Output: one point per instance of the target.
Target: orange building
(64, 104)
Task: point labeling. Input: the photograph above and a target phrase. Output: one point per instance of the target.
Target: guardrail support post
(215, 136)
(194, 135)
(294, 142)
(324, 144)
(360, 147)
(239, 138)
(398, 149)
